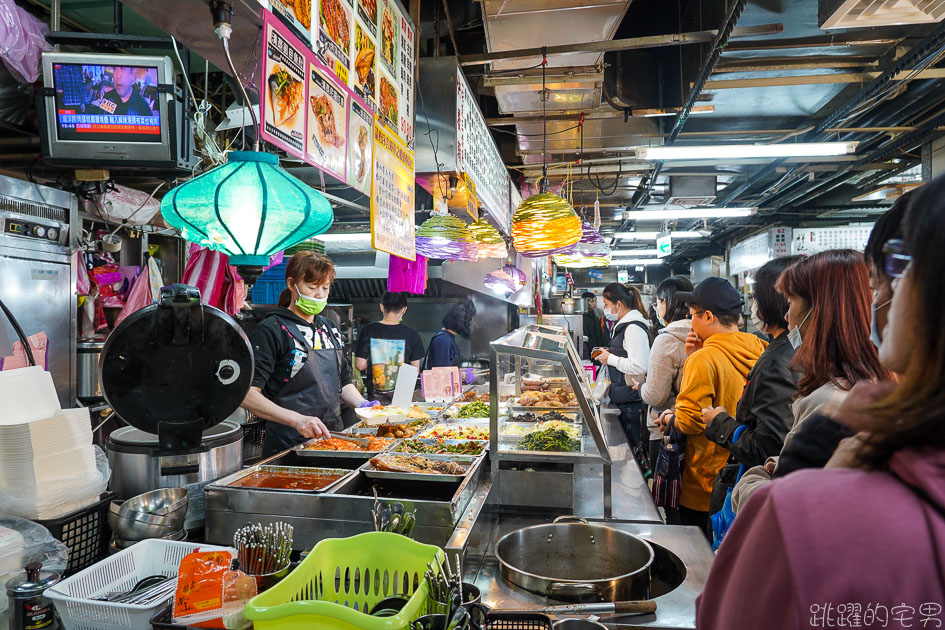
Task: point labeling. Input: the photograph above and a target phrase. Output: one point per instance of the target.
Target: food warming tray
(398, 446)
(466, 460)
(329, 454)
(343, 473)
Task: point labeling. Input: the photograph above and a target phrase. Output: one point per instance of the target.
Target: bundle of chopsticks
(263, 550)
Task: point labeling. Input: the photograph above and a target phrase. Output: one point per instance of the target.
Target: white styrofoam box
(28, 394)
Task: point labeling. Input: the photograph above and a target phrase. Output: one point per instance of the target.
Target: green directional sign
(664, 245)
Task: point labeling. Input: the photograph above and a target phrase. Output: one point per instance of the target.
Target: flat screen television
(111, 111)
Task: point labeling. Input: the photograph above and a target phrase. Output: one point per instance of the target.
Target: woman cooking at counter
(302, 374)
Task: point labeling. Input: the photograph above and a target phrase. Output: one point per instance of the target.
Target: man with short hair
(714, 375)
(594, 328)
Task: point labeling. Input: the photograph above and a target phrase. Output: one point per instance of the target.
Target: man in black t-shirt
(386, 345)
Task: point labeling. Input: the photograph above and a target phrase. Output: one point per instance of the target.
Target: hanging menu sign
(405, 84)
(365, 61)
(297, 15)
(360, 146)
(335, 26)
(308, 112)
(284, 63)
(388, 35)
(478, 156)
(392, 197)
(325, 143)
(367, 12)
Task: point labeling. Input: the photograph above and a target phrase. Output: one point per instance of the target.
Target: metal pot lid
(31, 583)
(176, 368)
(130, 436)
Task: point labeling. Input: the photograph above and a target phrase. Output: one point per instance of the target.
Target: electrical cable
(429, 134)
(544, 122)
(19, 333)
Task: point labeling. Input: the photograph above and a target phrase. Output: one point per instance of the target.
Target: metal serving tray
(542, 409)
(468, 461)
(343, 472)
(399, 447)
(326, 454)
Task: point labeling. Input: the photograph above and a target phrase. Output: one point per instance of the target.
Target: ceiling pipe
(646, 186)
(909, 61)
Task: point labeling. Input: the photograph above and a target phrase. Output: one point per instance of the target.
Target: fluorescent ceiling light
(651, 236)
(632, 262)
(635, 252)
(353, 237)
(687, 213)
(731, 151)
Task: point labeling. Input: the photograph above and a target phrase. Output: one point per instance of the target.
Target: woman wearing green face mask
(302, 374)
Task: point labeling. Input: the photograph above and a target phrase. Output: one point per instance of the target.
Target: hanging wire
(544, 120)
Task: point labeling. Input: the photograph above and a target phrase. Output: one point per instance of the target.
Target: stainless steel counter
(675, 609)
(632, 500)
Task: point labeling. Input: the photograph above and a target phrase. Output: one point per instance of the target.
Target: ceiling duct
(872, 13)
(691, 190)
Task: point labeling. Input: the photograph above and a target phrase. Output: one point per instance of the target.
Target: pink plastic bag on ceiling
(22, 42)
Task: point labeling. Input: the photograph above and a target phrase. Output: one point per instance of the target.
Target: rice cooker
(175, 371)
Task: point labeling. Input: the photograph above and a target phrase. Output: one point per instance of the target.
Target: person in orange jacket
(714, 375)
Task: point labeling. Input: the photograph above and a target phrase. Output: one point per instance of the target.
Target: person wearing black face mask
(443, 351)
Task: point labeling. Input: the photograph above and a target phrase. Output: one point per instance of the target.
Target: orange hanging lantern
(490, 241)
(545, 224)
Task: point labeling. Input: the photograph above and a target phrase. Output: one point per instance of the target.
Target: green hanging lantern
(249, 208)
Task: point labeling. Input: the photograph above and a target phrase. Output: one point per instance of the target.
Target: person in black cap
(714, 375)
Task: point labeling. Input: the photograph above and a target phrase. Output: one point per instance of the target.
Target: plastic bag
(22, 42)
(210, 594)
(37, 546)
(60, 496)
(602, 384)
(138, 297)
(82, 284)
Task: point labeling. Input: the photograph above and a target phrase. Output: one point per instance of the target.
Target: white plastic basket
(119, 572)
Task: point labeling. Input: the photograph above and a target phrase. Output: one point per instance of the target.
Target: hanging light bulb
(446, 237)
(490, 242)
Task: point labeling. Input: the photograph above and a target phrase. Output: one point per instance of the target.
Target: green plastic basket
(341, 579)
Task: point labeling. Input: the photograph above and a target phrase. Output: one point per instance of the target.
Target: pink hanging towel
(407, 275)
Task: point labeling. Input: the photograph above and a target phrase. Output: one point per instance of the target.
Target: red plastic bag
(82, 284)
(138, 297)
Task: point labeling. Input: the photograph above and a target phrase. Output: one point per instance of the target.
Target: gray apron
(314, 391)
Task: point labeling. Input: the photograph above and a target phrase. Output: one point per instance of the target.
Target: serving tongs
(439, 414)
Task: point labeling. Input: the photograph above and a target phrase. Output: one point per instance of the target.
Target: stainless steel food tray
(326, 454)
(468, 461)
(344, 473)
(398, 448)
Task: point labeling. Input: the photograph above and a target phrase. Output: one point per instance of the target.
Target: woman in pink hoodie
(862, 543)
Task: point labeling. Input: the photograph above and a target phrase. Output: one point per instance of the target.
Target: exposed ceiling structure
(620, 72)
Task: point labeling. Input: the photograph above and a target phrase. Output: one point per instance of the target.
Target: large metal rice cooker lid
(176, 369)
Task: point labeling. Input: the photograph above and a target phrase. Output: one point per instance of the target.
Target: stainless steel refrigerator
(38, 227)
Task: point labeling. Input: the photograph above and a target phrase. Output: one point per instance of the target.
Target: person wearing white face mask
(828, 320)
(301, 372)
(628, 355)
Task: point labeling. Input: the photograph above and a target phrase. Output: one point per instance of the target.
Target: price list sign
(392, 197)
(478, 156)
(282, 106)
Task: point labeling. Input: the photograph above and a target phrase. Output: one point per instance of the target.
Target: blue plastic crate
(269, 285)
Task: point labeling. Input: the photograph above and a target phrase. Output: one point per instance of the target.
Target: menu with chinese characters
(282, 110)
(360, 146)
(392, 196)
(406, 83)
(368, 45)
(326, 142)
(478, 157)
(814, 240)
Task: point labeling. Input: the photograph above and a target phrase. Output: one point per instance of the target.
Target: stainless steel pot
(138, 466)
(576, 561)
(572, 306)
(88, 386)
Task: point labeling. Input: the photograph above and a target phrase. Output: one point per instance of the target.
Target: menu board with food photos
(393, 228)
(284, 64)
(358, 65)
(365, 62)
(326, 141)
(360, 145)
(335, 28)
(297, 15)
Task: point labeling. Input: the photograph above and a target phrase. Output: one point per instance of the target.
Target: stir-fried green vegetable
(464, 448)
(476, 409)
(550, 439)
